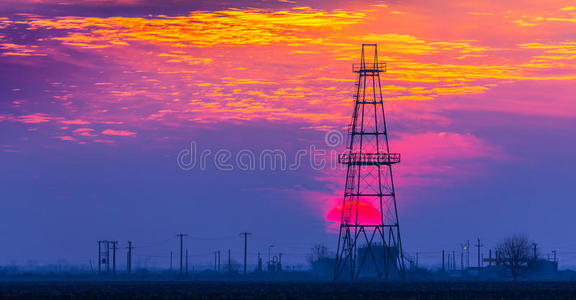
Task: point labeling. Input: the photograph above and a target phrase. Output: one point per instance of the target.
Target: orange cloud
(293, 65)
(222, 28)
(19, 50)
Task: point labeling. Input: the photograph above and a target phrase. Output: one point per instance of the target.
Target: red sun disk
(367, 214)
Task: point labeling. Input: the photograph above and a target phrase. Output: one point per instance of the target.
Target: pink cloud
(441, 157)
(104, 141)
(118, 132)
(84, 131)
(35, 118)
(67, 138)
(75, 122)
(428, 159)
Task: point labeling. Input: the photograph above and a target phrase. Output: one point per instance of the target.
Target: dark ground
(285, 290)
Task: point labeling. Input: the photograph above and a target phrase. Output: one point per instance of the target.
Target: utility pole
(114, 247)
(534, 249)
(479, 245)
(104, 257)
(219, 254)
(468, 253)
(245, 234)
(107, 256)
(170, 260)
(417, 259)
(129, 261)
(229, 263)
(269, 262)
(490, 257)
(99, 255)
(279, 262)
(555, 261)
(462, 260)
(181, 236)
(259, 264)
(443, 266)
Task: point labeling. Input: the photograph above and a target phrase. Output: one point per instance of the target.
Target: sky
(139, 119)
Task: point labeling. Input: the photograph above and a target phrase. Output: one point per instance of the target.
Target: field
(284, 290)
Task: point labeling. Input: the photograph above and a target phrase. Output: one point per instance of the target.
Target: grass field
(285, 290)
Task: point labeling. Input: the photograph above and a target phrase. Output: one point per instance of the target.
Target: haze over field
(99, 98)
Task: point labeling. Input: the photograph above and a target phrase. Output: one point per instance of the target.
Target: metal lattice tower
(369, 239)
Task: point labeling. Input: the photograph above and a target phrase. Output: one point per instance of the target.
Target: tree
(514, 253)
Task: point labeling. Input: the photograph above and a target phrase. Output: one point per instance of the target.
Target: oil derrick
(369, 241)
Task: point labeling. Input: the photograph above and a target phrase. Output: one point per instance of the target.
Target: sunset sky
(99, 97)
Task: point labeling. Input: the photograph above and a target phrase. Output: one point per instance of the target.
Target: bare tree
(514, 253)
